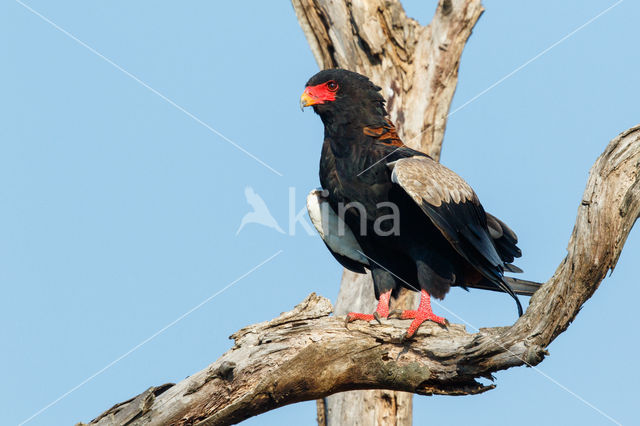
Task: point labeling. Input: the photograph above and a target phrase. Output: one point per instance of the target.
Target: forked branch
(307, 354)
(417, 67)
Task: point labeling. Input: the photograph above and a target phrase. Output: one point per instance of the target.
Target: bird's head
(337, 93)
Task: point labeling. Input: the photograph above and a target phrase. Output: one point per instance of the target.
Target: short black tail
(511, 286)
(522, 287)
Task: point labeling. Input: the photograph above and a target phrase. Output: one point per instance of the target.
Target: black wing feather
(462, 226)
(455, 210)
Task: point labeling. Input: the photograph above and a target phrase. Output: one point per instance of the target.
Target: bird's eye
(332, 85)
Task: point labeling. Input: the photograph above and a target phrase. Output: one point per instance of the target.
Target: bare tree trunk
(307, 354)
(419, 67)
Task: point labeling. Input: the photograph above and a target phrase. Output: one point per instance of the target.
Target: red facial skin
(325, 92)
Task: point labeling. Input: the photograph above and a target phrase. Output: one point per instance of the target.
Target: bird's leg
(423, 314)
(382, 311)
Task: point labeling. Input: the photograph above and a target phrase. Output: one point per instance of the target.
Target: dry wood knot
(534, 356)
(447, 7)
(225, 371)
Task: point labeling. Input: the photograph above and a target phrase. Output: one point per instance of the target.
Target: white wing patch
(334, 232)
(426, 180)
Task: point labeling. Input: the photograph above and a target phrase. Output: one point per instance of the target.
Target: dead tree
(418, 67)
(307, 354)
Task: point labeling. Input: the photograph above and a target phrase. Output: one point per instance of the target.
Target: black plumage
(442, 236)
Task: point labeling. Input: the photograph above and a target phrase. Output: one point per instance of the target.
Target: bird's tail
(522, 287)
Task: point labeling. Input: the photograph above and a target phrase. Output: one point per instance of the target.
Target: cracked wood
(417, 67)
(306, 354)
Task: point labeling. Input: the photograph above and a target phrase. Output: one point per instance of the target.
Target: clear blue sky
(119, 212)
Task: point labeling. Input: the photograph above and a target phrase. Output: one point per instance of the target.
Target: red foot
(382, 311)
(423, 314)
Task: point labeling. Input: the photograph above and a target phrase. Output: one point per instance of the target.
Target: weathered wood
(418, 68)
(375, 406)
(306, 354)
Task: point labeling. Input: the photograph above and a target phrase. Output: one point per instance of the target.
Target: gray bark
(418, 68)
(307, 354)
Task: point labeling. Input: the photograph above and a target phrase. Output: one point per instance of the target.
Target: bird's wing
(336, 234)
(455, 210)
(504, 239)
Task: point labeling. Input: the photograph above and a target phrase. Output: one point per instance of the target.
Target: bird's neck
(345, 130)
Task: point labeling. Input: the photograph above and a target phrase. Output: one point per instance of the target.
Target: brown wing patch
(384, 134)
(426, 180)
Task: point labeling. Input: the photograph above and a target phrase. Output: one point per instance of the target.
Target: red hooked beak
(315, 95)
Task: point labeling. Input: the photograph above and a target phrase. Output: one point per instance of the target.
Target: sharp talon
(382, 311)
(347, 320)
(422, 314)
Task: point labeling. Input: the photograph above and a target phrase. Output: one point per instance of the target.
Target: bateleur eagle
(395, 211)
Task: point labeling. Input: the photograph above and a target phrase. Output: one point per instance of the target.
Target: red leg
(382, 310)
(423, 314)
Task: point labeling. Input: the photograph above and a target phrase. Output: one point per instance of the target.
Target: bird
(395, 211)
(260, 214)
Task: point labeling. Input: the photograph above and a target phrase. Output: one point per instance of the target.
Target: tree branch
(306, 354)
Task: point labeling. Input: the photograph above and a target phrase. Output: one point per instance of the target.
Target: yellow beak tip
(307, 100)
